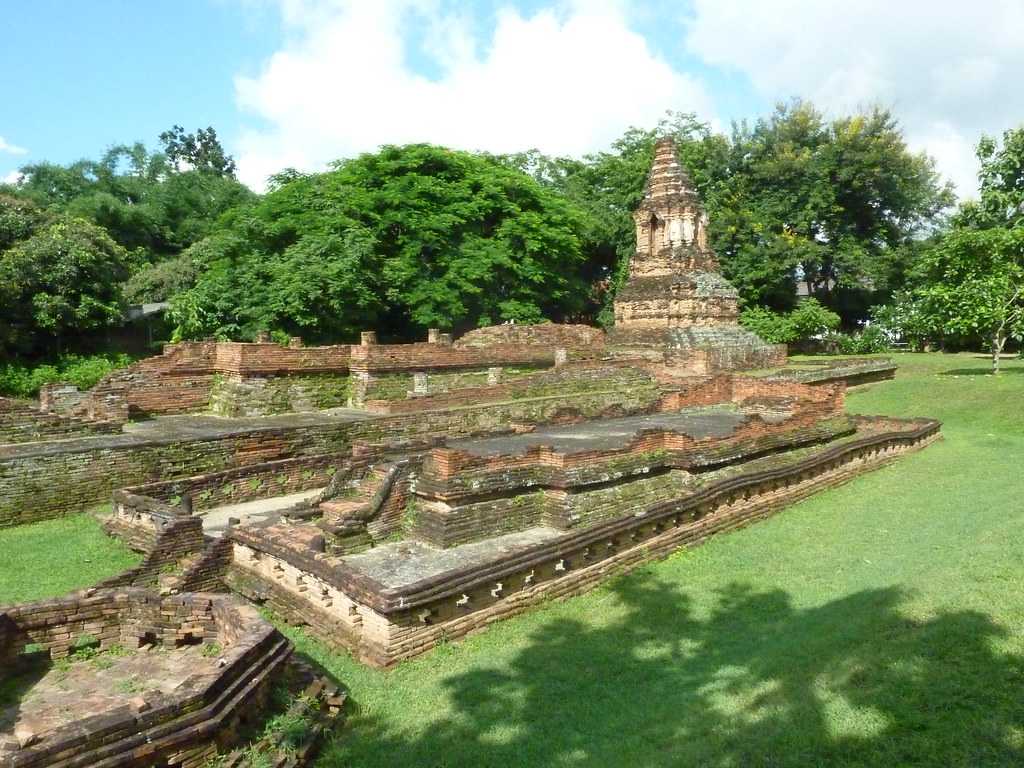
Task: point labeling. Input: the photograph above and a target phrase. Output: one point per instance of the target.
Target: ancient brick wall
(240, 378)
(232, 486)
(265, 358)
(184, 728)
(385, 627)
(552, 335)
(22, 422)
(269, 394)
(44, 481)
(581, 378)
(90, 469)
(208, 571)
(177, 537)
(444, 526)
(427, 356)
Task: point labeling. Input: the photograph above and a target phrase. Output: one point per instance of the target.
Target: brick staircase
(367, 508)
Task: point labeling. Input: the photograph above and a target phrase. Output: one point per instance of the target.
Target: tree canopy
(62, 279)
(403, 239)
(420, 236)
(840, 205)
(969, 284)
(155, 203)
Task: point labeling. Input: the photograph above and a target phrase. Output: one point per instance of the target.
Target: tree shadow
(758, 681)
(982, 371)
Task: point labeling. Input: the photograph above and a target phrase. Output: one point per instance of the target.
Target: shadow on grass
(982, 371)
(757, 681)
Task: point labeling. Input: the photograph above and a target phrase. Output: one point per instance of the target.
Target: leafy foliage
(24, 380)
(404, 239)
(137, 197)
(200, 151)
(809, 320)
(839, 205)
(867, 341)
(973, 285)
(160, 281)
(64, 279)
(970, 283)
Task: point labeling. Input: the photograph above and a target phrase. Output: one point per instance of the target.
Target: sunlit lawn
(56, 556)
(878, 624)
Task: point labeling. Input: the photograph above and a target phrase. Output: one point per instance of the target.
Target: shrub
(870, 340)
(771, 327)
(20, 379)
(809, 320)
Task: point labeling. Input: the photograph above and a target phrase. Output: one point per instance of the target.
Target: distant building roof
(137, 311)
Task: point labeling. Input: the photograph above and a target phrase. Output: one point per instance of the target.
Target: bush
(25, 379)
(809, 320)
(771, 327)
(870, 340)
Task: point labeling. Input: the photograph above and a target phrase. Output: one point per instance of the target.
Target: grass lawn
(56, 556)
(877, 624)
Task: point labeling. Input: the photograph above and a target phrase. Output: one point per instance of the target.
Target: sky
(299, 83)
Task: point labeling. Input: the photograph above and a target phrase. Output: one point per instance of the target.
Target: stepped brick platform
(489, 534)
(166, 680)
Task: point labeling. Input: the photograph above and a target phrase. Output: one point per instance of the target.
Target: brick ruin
(676, 306)
(200, 666)
(394, 496)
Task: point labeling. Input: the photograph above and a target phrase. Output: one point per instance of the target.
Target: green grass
(56, 556)
(877, 624)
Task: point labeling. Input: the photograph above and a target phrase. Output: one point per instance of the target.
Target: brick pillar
(368, 338)
(433, 335)
(494, 376)
(561, 356)
(295, 342)
(362, 382)
(419, 383)
(263, 337)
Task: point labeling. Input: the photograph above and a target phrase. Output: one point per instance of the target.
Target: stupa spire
(668, 181)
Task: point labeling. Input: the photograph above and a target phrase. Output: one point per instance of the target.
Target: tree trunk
(998, 342)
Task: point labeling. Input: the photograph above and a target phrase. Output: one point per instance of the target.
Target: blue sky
(302, 82)
(84, 74)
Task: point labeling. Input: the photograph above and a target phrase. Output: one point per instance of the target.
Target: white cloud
(11, 178)
(567, 80)
(11, 149)
(950, 72)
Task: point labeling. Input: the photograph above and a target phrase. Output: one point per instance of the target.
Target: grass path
(877, 624)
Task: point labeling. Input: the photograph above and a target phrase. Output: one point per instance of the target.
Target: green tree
(146, 201)
(403, 239)
(972, 284)
(161, 281)
(200, 151)
(18, 220)
(840, 205)
(841, 202)
(62, 281)
(808, 321)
